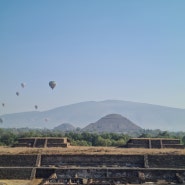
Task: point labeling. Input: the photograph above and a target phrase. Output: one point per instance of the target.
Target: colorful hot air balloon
(52, 84)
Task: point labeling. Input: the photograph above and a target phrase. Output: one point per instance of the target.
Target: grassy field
(88, 150)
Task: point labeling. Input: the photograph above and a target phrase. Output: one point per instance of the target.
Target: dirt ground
(20, 182)
(88, 150)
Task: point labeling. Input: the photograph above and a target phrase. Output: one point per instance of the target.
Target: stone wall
(171, 141)
(25, 142)
(114, 175)
(39, 143)
(42, 142)
(166, 161)
(153, 161)
(57, 140)
(44, 172)
(93, 160)
(15, 173)
(17, 160)
(154, 143)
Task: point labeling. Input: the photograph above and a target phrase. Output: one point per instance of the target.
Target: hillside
(114, 123)
(64, 127)
(146, 116)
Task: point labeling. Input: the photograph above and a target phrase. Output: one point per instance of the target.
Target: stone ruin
(154, 143)
(43, 142)
(94, 169)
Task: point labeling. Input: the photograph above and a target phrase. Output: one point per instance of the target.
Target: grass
(88, 150)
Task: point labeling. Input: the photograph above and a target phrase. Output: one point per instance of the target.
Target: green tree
(8, 139)
(183, 140)
(164, 134)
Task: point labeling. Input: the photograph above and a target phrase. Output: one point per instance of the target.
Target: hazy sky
(130, 50)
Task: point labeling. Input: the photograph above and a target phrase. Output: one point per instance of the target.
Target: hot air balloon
(23, 85)
(1, 120)
(3, 104)
(17, 93)
(52, 84)
(36, 107)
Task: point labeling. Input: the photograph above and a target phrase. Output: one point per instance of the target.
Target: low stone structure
(94, 169)
(43, 142)
(154, 143)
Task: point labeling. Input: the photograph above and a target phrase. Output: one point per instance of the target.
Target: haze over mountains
(146, 116)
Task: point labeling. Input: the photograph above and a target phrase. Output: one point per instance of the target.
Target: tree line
(9, 137)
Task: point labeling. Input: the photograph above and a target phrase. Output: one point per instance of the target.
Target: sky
(95, 50)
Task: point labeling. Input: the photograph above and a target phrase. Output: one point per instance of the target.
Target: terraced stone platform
(91, 168)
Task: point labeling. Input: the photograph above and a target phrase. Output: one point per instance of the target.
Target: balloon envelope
(36, 107)
(52, 84)
(22, 85)
(3, 104)
(17, 93)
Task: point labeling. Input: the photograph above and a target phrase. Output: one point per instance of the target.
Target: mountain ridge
(147, 116)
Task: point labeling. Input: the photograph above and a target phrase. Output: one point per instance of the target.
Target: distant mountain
(114, 123)
(64, 127)
(146, 116)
